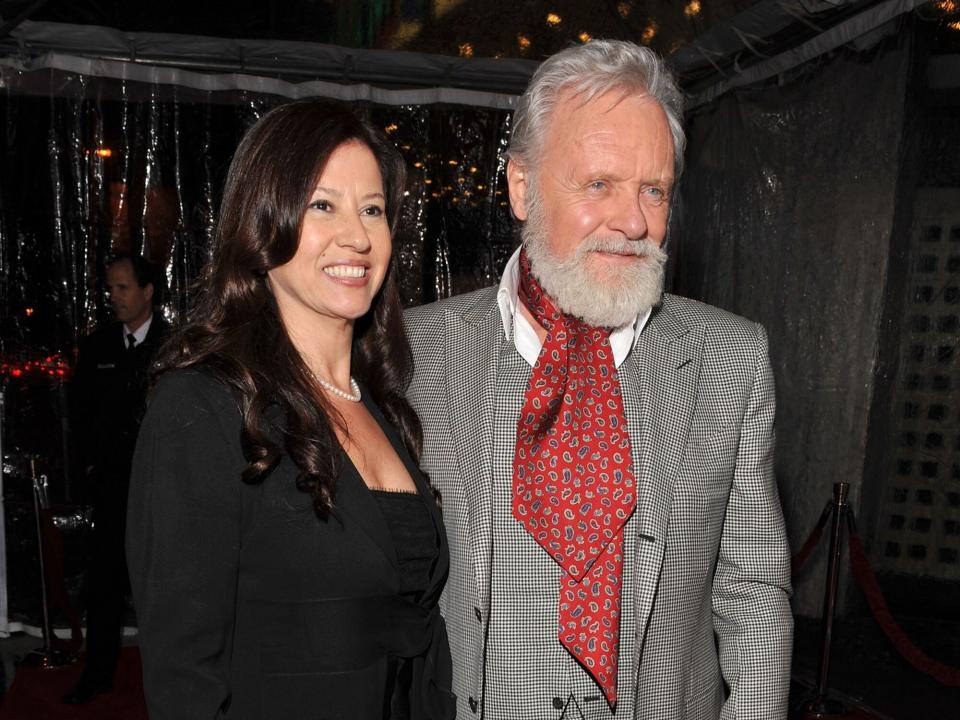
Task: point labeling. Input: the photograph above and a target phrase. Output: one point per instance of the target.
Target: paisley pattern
(573, 482)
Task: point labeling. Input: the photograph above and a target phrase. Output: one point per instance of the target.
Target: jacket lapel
(354, 499)
(473, 343)
(157, 331)
(356, 504)
(439, 572)
(660, 405)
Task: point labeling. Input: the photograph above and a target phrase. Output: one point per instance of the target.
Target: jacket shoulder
(193, 382)
(159, 328)
(693, 313)
(101, 335)
(426, 322)
(191, 396)
(456, 305)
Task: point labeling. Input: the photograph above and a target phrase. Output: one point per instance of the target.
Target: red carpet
(35, 694)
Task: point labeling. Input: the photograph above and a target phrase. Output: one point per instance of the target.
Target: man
(604, 450)
(110, 387)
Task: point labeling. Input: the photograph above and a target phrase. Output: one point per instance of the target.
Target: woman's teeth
(352, 271)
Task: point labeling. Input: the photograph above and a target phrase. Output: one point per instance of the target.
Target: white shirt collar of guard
(140, 335)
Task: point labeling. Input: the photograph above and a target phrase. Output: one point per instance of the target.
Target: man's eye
(656, 194)
(598, 185)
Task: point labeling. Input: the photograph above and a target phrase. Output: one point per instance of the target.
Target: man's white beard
(603, 299)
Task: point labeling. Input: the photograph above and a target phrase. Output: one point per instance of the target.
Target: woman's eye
(373, 211)
(322, 205)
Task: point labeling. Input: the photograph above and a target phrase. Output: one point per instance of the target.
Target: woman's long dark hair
(234, 329)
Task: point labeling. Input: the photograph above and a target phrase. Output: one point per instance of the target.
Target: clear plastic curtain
(798, 211)
(90, 167)
(789, 216)
(96, 167)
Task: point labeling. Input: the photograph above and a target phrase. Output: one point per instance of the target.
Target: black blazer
(249, 606)
(109, 391)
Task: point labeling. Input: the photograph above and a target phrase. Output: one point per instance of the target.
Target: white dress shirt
(524, 336)
(139, 335)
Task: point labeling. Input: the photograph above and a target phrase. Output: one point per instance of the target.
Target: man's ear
(517, 186)
(148, 291)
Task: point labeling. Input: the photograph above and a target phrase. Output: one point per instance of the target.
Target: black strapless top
(413, 534)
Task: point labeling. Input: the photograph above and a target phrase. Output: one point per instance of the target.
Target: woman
(286, 555)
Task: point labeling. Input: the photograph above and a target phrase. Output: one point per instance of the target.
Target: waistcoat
(528, 673)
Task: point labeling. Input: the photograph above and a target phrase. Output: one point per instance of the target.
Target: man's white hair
(590, 70)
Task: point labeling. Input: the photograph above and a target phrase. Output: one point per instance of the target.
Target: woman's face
(344, 249)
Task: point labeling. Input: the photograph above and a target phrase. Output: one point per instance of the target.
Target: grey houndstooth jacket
(712, 555)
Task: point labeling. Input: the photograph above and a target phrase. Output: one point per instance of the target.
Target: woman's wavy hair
(234, 329)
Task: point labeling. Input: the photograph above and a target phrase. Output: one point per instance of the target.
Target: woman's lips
(349, 274)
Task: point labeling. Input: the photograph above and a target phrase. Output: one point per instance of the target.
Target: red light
(103, 152)
(52, 366)
(28, 311)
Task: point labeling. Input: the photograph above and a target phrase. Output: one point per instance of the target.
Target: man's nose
(629, 219)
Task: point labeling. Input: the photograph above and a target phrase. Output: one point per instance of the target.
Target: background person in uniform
(604, 450)
(109, 393)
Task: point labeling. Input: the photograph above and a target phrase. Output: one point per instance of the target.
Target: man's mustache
(622, 246)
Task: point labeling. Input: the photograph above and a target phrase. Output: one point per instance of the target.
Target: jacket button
(558, 703)
(476, 611)
(473, 705)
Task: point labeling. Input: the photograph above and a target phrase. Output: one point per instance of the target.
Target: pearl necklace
(338, 392)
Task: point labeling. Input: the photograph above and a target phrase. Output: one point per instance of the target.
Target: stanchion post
(47, 656)
(822, 706)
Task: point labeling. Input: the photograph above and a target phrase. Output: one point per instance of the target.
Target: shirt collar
(518, 328)
(141, 332)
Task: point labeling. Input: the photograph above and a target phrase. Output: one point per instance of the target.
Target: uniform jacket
(109, 392)
(712, 555)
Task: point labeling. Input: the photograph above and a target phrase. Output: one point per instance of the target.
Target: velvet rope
(803, 554)
(867, 581)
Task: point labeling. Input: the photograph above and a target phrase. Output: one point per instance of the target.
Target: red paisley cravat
(573, 483)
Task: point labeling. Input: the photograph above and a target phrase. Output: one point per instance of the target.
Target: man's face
(596, 205)
(131, 303)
